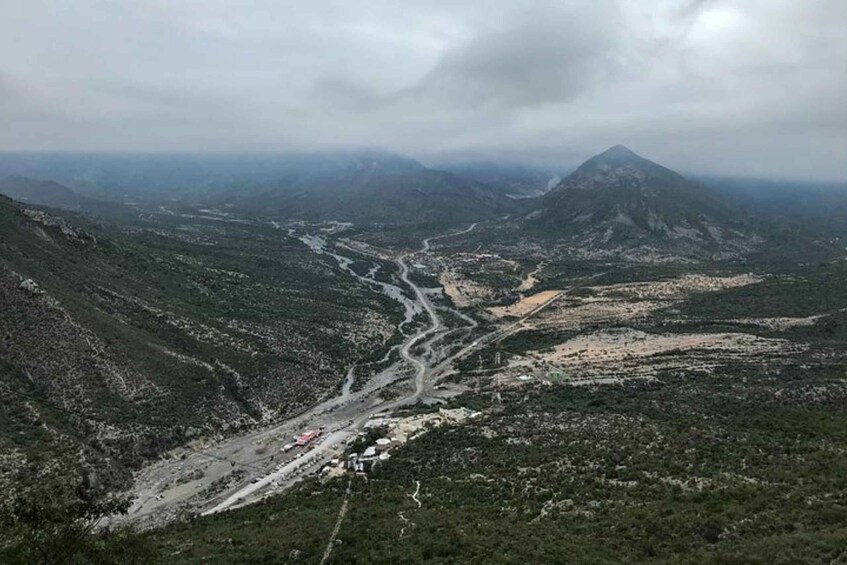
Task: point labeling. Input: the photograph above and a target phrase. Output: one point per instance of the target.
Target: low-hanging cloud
(543, 57)
(748, 87)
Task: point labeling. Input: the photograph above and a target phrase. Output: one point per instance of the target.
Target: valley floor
(211, 476)
(711, 426)
(528, 408)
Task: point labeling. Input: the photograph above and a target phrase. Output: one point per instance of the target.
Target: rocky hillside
(619, 202)
(117, 346)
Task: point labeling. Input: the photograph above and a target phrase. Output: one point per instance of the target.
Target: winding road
(345, 433)
(162, 491)
(435, 321)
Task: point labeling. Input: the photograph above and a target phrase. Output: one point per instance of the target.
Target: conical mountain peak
(619, 152)
(617, 156)
(619, 193)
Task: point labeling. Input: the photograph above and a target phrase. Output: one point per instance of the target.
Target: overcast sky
(746, 87)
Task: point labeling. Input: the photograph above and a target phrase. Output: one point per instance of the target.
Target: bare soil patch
(523, 306)
(622, 303)
(618, 354)
(461, 290)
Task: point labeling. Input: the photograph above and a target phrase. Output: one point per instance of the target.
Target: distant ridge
(372, 186)
(352, 185)
(43, 192)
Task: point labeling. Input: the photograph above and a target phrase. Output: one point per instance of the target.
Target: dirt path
(413, 496)
(529, 282)
(341, 513)
(406, 522)
(524, 305)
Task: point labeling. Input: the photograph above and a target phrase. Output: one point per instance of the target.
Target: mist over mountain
(816, 207)
(55, 195)
(516, 180)
(372, 186)
(155, 176)
(45, 192)
(364, 185)
(619, 184)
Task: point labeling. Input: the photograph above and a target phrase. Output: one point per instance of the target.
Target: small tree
(56, 523)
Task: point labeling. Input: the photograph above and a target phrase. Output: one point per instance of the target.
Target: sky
(747, 88)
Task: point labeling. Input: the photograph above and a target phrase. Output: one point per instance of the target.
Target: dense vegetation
(61, 523)
(801, 291)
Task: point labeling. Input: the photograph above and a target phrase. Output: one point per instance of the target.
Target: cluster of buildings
(364, 462)
(401, 429)
(478, 257)
(302, 440)
(306, 438)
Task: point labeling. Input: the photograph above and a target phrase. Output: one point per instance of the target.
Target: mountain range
(342, 185)
(616, 204)
(372, 186)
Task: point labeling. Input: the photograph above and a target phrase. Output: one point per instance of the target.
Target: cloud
(545, 56)
(719, 86)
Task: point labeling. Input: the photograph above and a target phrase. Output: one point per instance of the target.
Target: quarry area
(625, 353)
(611, 333)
